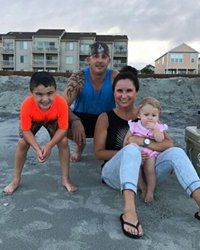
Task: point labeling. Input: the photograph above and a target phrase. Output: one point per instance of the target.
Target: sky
(153, 27)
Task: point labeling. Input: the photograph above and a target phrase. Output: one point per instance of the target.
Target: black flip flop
(196, 215)
(135, 236)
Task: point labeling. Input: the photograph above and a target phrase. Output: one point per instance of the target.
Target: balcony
(38, 63)
(83, 64)
(45, 50)
(121, 51)
(8, 63)
(119, 65)
(7, 50)
(52, 63)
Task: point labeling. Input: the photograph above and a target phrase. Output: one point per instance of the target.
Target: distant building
(56, 50)
(148, 69)
(180, 60)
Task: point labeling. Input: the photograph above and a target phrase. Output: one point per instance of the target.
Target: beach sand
(41, 214)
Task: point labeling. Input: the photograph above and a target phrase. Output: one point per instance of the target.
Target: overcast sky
(153, 26)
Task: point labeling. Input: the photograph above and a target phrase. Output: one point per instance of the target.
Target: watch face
(147, 141)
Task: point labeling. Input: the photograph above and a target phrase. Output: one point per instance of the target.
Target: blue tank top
(91, 101)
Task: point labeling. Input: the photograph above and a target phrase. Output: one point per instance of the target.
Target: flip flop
(197, 216)
(135, 236)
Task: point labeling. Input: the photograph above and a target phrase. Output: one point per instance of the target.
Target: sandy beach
(42, 215)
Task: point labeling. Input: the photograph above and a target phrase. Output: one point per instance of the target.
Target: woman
(122, 165)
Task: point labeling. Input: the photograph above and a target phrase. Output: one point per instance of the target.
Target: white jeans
(122, 170)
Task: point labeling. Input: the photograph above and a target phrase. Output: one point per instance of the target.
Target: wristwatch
(146, 142)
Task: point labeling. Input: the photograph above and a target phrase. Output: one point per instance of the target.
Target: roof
(20, 35)
(49, 32)
(78, 35)
(111, 38)
(182, 48)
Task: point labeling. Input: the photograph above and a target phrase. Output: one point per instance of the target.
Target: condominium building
(56, 50)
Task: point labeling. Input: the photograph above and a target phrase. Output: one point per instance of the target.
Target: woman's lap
(121, 172)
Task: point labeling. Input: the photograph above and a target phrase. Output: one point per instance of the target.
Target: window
(69, 46)
(22, 59)
(24, 45)
(85, 48)
(193, 58)
(176, 58)
(69, 60)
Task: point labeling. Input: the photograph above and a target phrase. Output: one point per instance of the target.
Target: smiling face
(98, 63)
(44, 96)
(125, 93)
(149, 116)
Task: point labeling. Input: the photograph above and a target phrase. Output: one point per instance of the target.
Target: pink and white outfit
(136, 128)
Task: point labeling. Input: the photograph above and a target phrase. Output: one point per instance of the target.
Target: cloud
(166, 22)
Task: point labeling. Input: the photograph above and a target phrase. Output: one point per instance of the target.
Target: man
(91, 92)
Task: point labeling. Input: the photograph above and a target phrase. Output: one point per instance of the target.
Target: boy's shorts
(51, 127)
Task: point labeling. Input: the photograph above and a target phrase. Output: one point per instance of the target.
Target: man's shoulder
(114, 73)
(77, 75)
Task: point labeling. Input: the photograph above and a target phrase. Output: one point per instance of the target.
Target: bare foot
(149, 197)
(129, 217)
(11, 187)
(77, 153)
(69, 186)
(76, 157)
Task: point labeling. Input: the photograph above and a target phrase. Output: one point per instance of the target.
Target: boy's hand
(40, 157)
(46, 151)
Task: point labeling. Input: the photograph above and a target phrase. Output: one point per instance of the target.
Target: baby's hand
(158, 135)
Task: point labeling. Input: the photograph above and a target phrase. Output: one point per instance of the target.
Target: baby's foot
(149, 197)
(69, 186)
(11, 187)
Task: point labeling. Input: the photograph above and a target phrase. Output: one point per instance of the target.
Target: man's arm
(73, 87)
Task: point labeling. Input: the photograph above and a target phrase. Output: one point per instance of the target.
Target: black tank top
(116, 131)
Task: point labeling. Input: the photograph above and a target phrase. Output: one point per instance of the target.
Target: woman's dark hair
(42, 78)
(126, 75)
(131, 69)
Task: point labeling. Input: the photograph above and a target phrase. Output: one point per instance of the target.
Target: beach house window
(69, 46)
(193, 58)
(176, 58)
(69, 60)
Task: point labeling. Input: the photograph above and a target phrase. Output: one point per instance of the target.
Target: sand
(42, 215)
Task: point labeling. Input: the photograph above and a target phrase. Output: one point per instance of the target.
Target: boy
(44, 107)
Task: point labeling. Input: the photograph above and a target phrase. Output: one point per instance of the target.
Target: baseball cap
(99, 47)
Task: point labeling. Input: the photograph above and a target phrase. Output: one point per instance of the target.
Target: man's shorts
(89, 122)
(51, 127)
